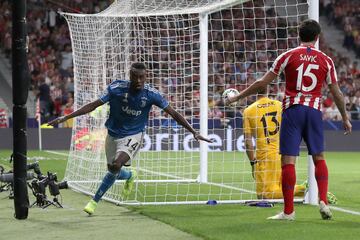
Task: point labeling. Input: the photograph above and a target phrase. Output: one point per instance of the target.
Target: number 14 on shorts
(131, 144)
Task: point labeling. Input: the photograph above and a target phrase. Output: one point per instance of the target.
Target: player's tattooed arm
(340, 103)
(81, 111)
(182, 121)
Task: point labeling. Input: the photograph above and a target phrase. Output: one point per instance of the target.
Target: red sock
(288, 183)
(321, 175)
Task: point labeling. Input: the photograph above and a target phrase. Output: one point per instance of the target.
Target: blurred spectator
(46, 105)
(328, 101)
(332, 113)
(3, 118)
(351, 108)
(68, 108)
(51, 19)
(66, 57)
(354, 69)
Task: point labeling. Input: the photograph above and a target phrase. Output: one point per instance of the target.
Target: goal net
(193, 50)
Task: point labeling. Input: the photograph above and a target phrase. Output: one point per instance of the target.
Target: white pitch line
(344, 210)
(163, 174)
(230, 187)
(38, 159)
(57, 153)
(67, 155)
(210, 183)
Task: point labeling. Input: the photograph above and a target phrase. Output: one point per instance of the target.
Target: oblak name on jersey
(305, 69)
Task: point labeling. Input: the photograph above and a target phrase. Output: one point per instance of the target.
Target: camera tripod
(8, 187)
(43, 202)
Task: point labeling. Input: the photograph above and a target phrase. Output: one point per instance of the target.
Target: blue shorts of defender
(299, 122)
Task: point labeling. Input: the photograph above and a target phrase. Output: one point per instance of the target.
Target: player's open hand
(229, 100)
(347, 127)
(198, 137)
(57, 121)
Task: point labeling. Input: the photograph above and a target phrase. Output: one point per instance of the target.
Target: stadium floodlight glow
(192, 49)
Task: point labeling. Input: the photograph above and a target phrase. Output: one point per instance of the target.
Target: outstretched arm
(249, 146)
(253, 88)
(182, 121)
(340, 103)
(81, 111)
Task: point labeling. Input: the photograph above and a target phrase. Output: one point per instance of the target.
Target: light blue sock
(107, 182)
(123, 174)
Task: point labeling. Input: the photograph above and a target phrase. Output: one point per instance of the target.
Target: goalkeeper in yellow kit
(261, 120)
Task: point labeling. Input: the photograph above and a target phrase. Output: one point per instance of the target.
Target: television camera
(7, 178)
(38, 185)
(38, 188)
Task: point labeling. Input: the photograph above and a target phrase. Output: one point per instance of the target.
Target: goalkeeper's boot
(283, 216)
(90, 207)
(325, 211)
(305, 184)
(129, 184)
(331, 198)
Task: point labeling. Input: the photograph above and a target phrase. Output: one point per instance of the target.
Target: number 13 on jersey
(266, 125)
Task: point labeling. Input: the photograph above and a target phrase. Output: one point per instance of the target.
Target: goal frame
(203, 14)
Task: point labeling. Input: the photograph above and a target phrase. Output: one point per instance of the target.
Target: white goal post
(194, 49)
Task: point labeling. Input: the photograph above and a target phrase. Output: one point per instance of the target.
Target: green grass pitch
(222, 221)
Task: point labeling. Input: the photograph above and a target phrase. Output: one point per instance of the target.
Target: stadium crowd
(345, 15)
(49, 50)
(237, 56)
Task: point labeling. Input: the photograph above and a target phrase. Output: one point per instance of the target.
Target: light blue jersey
(129, 112)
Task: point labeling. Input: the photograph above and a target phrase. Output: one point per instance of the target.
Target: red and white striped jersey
(306, 69)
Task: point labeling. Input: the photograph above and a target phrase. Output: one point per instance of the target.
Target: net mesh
(244, 39)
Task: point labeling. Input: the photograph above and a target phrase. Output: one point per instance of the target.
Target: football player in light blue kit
(130, 103)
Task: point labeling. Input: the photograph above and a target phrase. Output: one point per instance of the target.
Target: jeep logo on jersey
(131, 111)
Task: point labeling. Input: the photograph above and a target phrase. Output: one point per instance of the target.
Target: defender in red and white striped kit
(306, 70)
(312, 68)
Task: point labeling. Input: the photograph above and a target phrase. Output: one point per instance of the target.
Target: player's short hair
(138, 66)
(309, 30)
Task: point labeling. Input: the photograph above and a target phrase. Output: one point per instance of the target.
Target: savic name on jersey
(129, 112)
(308, 58)
(312, 69)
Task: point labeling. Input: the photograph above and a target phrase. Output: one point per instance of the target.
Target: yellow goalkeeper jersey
(262, 119)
